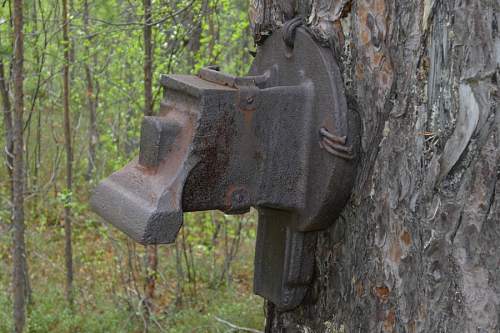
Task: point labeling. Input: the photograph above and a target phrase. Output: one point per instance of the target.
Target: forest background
(91, 71)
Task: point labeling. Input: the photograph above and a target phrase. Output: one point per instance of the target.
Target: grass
(50, 313)
(105, 285)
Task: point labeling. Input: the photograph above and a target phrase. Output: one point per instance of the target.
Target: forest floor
(109, 284)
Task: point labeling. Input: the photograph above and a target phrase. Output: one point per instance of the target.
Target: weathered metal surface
(281, 140)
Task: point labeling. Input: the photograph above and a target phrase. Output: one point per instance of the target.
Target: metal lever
(281, 140)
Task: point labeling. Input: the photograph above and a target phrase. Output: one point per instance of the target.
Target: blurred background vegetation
(203, 283)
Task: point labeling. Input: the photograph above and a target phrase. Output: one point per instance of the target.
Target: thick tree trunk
(20, 275)
(417, 249)
(68, 248)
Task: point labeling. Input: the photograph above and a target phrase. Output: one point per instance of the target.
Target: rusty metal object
(281, 140)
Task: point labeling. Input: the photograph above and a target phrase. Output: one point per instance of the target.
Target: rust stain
(248, 116)
(246, 102)
(406, 238)
(382, 293)
(359, 71)
(365, 36)
(378, 57)
(360, 289)
(390, 321)
(337, 27)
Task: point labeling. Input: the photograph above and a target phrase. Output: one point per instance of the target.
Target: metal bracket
(281, 140)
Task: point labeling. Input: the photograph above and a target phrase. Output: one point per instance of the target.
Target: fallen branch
(235, 327)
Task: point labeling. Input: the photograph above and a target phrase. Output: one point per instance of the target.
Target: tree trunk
(417, 249)
(151, 272)
(93, 135)
(148, 59)
(20, 275)
(7, 121)
(68, 250)
(152, 250)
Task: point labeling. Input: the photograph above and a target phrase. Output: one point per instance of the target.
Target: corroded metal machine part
(281, 140)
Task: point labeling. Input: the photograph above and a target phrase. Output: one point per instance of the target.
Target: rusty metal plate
(281, 140)
(322, 177)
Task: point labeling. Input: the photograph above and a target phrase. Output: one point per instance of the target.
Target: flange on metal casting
(281, 140)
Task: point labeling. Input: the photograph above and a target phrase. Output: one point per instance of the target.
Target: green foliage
(244, 311)
(208, 273)
(51, 314)
(106, 300)
(65, 198)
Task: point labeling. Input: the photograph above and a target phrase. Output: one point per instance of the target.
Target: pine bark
(68, 248)
(417, 249)
(19, 287)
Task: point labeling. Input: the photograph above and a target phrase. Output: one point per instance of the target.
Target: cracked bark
(417, 248)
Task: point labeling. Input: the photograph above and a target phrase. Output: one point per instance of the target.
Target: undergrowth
(109, 280)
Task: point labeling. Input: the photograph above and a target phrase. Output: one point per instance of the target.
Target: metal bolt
(250, 100)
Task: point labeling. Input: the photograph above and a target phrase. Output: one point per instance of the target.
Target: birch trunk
(417, 248)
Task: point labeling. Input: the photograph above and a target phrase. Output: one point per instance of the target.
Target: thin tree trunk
(91, 98)
(7, 121)
(148, 59)
(68, 251)
(19, 254)
(417, 248)
(130, 141)
(38, 146)
(36, 164)
(180, 276)
(151, 272)
(151, 251)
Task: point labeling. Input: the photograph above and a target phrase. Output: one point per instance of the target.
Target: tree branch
(235, 327)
